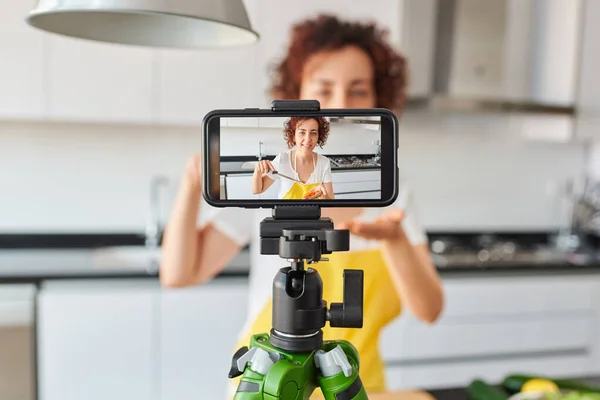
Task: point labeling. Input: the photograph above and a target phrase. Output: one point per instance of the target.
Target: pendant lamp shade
(155, 23)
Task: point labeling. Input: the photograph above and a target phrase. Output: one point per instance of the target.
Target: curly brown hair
(289, 130)
(327, 33)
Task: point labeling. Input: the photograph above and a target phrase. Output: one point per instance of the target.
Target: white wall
(480, 173)
(467, 173)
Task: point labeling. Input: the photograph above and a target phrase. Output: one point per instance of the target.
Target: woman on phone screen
(343, 64)
(303, 174)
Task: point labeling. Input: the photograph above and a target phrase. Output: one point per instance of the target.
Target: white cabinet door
(239, 187)
(22, 66)
(99, 82)
(199, 330)
(95, 342)
(495, 326)
(276, 18)
(192, 83)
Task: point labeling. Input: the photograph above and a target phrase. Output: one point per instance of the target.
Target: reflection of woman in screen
(301, 162)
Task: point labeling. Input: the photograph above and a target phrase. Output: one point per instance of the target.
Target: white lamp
(156, 23)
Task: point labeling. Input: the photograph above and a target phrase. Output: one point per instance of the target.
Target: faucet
(153, 226)
(260, 150)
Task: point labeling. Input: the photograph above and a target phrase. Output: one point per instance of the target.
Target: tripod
(293, 360)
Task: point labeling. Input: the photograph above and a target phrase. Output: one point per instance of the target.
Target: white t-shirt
(283, 163)
(243, 226)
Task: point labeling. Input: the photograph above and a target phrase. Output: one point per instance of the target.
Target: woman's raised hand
(193, 170)
(264, 167)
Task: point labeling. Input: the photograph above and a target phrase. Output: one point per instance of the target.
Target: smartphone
(324, 157)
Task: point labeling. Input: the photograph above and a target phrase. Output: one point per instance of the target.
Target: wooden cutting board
(399, 395)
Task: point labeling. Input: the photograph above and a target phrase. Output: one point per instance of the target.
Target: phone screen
(326, 159)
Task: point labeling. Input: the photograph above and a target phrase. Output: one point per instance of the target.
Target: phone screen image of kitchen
(295, 158)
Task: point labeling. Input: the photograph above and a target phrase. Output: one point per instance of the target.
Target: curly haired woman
(343, 65)
(312, 169)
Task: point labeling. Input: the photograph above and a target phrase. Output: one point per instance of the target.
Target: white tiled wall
(467, 173)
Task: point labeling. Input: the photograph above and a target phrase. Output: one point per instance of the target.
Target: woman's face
(306, 135)
(339, 79)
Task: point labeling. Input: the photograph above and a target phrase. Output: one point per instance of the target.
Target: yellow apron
(299, 190)
(381, 306)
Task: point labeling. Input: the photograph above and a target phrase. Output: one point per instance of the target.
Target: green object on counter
(513, 383)
(572, 396)
(481, 390)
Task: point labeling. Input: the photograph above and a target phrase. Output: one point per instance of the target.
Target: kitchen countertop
(35, 265)
(233, 165)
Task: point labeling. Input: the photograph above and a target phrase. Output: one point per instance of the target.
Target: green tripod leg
(339, 366)
(268, 373)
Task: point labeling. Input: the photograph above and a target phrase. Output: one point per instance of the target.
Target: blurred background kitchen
(498, 144)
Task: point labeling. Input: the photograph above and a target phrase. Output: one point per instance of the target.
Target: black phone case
(288, 108)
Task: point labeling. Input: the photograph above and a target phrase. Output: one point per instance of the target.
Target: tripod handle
(349, 313)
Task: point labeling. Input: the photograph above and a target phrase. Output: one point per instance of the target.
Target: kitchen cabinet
(54, 77)
(595, 333)
(96, 340)
(192, 83)
(239, 187)
(494, 326)
(99, 82)
(198, 334)
(356, 184)
(355, 176)
(22, 51)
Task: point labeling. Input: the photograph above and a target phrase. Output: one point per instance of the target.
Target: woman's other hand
(385, 227)
(264, 167)
(316, 192)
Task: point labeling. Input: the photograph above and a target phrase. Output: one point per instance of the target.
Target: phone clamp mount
(293, 360)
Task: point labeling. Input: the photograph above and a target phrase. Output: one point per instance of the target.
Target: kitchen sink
(127, 257)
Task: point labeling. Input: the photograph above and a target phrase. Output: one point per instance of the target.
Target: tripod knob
(349, 313)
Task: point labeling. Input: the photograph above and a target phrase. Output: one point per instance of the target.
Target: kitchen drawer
(491, 297)
(346, 187)
(410, 340)
(460, 374)
(355, 176)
